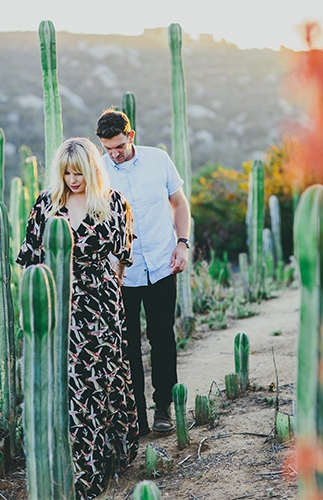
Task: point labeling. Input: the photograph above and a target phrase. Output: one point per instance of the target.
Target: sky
(246, 23)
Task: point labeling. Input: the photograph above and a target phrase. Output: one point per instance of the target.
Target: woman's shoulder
(115, 196)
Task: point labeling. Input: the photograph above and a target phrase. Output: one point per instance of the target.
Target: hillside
(235, 107)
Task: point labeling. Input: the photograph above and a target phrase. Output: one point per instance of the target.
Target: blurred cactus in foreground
(146, 490)
(308, 232)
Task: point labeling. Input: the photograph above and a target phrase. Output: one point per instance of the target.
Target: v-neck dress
(103, 415)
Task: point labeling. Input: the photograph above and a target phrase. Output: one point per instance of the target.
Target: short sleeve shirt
(147, 181)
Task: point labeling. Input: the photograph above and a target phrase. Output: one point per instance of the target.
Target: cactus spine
(52, 103)
(146, 490)
(182, 159)
(58, 242)
(129, 108)
(241, 358)
(257, 225)
(308, 233)
(2, 143)
(7, 336)
(37, 296)
(180, 398)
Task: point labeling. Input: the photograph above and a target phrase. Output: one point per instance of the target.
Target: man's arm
(182, 222)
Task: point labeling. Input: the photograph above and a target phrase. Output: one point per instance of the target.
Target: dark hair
(112, 123)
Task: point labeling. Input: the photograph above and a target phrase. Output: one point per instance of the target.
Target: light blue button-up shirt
(146, 181)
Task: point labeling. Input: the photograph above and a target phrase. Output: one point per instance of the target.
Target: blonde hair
(83, 157)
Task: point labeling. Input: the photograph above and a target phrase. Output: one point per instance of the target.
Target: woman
(103, 415)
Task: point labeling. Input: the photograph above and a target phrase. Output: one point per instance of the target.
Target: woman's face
(74, 181)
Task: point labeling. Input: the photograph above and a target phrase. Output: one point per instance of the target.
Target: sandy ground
(239, 457)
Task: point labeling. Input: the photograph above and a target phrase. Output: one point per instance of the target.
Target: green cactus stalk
(24, 210)
(58, 243)
(129, 108)
(308, 232)
(276, 226)
(268, 251)
(146, 490)
(2, 143)
(257, 225)
(202, 410)
(249, 218)
(244, 271)
(182, 160)
(37, 296)
(241, 358)
(15, 243)
(180, 399)
(32, 179)
(52, 102)
(7, 336)
(232, 385)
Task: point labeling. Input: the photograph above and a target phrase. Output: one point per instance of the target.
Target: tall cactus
(308, 233)
(37, 296)
(52, 103)
(241, 358)
(7, 336)
(182, 159)
(32, 179)
(180, 398)
(258, 188)
(2, 143)
(276, 226)
(129, 108)
(244, 271)
(58, 242)
(15, 244)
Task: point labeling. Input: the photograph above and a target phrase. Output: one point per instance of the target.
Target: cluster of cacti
(129, 108)
(180, 399)
(182, 160)
(146, 490)
(308, 233)
(7, 336)
(52, 103)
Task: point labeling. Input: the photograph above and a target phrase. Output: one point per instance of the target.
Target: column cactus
(258, 188)
(52, 102)
(15, 228)
(276, 226)
(129, 108)
(244, 271)
(58, 243)
(7, 336)
(182, 159)
(308, 233)
(180, 399)
(241, 358)
(37, 297)
(32, 179)
(2, 143)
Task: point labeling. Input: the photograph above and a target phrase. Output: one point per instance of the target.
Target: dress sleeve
(121, 221)
(32, 251)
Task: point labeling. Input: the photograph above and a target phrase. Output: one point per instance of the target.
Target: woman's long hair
(83, 157)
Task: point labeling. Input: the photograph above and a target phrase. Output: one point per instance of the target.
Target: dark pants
(159, 304)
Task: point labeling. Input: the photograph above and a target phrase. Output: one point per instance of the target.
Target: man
(150, 183)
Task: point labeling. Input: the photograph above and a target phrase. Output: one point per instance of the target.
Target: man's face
(119, 147)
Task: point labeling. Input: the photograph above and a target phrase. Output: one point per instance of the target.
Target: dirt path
(235, 460)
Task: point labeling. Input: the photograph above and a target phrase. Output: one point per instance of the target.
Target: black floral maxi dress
(103, 415)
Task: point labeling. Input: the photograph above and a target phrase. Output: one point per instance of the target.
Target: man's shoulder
(149, 151)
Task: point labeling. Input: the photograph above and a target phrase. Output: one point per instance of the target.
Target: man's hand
(119, 270)
(179, 258)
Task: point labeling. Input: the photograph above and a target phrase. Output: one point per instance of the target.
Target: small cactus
(180, 398)
(202, 410)
(241, 358)
(232, 385)
(146, 490)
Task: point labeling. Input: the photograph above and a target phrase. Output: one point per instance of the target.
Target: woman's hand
(119, 269)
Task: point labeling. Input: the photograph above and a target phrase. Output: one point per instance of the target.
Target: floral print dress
(103, 415)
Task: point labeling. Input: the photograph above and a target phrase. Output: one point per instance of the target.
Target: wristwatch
(184, 240)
